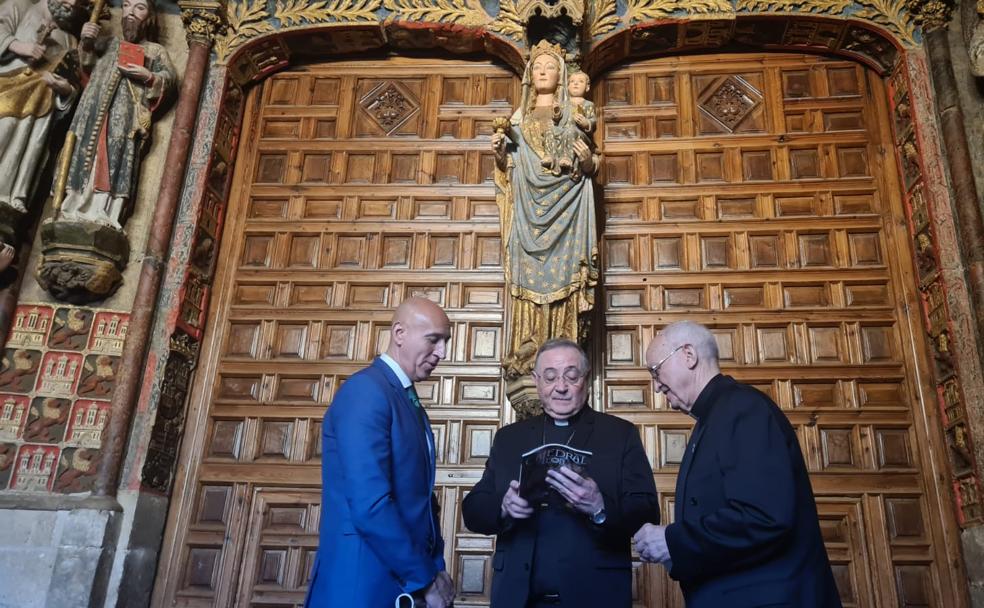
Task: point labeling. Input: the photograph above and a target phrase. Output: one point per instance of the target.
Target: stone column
(970, 225)
(202, 19)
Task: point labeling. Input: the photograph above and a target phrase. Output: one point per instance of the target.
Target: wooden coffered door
(758, 195)
(750, 192)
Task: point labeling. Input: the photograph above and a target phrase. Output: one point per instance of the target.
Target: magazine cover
(533, 471)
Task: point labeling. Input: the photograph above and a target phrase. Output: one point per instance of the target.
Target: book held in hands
(533, 484)
(130, 54)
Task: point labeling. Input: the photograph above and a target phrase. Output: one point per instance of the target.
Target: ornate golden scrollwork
(508, 22)
(246, 20)
(460, 12)
(817, 7)
(292, 13)
(892, 15)
(646, 10)
(930, 14)
(602, 17)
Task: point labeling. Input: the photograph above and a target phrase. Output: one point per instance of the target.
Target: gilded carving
(930, 14)
(890, 14)
(968, 499)
(952, 406)
(461, 12)
(646, 10)
(292, 13)
(202, 21)
(602, 17)
(819, 7)
(508, 22)
(251, 19)
(246, 20)
(958, 439)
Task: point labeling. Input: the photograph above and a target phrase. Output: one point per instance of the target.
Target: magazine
(533, 484)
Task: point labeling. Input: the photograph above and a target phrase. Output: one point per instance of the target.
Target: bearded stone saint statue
(547, 215)
(36, 89)
(129, 79)
(84, 248)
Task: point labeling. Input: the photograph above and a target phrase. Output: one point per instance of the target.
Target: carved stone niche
(523, 397)
(558, 21)
(81, 262)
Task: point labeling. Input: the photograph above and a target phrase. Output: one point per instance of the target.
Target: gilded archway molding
(850, 27)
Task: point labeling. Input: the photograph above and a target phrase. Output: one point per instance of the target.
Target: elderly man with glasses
(573, 549)
(745, 529)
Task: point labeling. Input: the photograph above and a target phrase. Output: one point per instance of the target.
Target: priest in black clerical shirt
(572, 549)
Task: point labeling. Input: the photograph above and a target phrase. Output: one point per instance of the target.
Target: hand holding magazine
(535, 464)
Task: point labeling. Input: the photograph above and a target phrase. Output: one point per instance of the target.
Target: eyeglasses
(571, 377)
(654, 370)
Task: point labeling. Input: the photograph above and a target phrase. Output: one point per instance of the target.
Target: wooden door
(755, 193)
(359, 185)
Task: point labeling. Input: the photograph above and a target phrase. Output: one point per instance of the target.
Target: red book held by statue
(130, 53)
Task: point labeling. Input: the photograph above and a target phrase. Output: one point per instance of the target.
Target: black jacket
(598, 569)
(745, 529)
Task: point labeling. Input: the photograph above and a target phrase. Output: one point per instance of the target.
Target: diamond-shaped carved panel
(731, 102)
(389, 106)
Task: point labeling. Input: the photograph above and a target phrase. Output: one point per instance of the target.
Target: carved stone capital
(523, 397)
(203, 20)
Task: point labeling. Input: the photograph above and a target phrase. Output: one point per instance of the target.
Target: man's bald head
(689, 332)
(682, 359)
(419, 337)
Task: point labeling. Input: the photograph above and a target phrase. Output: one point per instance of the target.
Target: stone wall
(56, 545)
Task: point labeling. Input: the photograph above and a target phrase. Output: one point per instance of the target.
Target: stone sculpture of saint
(35, 37)
(129, 80)
(548, 216)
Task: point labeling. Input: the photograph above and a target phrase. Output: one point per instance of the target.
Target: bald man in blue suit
(380, 537)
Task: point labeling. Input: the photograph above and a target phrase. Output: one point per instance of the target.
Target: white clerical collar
(405, 381)
(561, 422)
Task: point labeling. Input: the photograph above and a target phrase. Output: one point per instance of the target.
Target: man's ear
(692, 357)
(398, 334)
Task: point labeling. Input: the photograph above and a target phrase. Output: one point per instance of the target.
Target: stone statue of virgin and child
(545, 165)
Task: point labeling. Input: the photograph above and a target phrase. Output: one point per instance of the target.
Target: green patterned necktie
(412, 394)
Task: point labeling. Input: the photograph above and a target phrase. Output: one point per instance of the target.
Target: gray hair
(555, 343)
(695, 334)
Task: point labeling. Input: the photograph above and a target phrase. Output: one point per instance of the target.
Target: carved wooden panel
(359, 186)
(748, 193)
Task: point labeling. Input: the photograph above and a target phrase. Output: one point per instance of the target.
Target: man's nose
(442, 349)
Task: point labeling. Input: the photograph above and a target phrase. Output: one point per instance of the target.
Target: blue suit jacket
(745, 530)
(379, 531)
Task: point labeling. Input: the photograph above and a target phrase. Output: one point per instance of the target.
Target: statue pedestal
(81, 262)
(523, 397)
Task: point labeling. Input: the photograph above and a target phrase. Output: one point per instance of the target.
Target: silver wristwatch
(598, 517)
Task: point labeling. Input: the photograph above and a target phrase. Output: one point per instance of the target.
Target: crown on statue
(544, 47)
